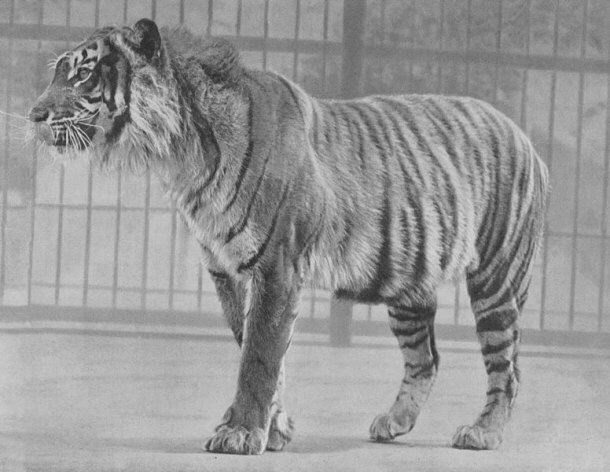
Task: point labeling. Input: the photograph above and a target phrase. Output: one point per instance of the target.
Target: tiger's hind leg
(497, 307)
(414, 330)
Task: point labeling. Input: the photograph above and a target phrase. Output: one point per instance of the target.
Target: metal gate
(79, 246)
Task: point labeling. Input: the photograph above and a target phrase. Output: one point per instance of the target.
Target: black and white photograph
(304, 235)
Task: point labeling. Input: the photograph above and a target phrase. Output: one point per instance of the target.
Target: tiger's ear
(149, 39)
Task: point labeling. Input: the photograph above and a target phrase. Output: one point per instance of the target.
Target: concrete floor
(70, 402)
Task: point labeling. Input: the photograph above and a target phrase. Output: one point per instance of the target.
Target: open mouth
(67, 134)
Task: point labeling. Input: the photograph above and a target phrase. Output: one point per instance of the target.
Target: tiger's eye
(83, 73)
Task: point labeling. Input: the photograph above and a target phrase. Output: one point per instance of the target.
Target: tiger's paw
(236, 440)
(475, 437)
(280, 431)
(384, 428)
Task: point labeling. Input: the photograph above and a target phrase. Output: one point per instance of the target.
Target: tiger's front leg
(250, 423)
(234, 296)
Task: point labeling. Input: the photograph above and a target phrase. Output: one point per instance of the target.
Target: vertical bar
(181, 12)
(265, 33)
(456, 304)
(117, 239)
(498, 49)
(545, 249)
(208, 32)
(145, 242)
(354, 12)
(297, 23)
(172, 256)
(238, 20)
(62, 178)
(456, 299)
(441, 40)
(605, 188)
(5, 168)
(382, 19)
(576, 204)
(118, 212)
(199, 285)
(312, 302)
(468, 40)
(353, 47)
(153, 9)
(412, 27)
(524, 83)
(325, 48)
(33, 174)
(89, 202)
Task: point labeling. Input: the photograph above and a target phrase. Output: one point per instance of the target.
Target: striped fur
(378, 199)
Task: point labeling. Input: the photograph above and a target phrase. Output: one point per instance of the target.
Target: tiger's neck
(213, 139)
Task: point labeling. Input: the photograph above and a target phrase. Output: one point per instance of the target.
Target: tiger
(378, 199)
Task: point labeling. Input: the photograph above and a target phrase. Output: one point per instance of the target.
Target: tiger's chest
(210, 229)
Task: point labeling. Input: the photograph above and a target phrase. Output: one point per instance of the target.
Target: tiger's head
(102, 86)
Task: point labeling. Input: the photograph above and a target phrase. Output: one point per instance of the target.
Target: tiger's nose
(38, 114)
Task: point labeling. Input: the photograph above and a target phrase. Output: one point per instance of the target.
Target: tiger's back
(416, 183)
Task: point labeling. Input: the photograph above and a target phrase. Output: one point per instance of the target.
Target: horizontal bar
(119, 288)
(589, 340)
(256, 43)
(321, 296)
(83, 206)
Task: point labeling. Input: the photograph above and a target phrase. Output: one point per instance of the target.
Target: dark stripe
(218, 275)
(289, 86)
(384, 270)
(318, 228)
(247, 157)
(408, 344)
(495, 391)
(475, 140)
(497, 321)
(355, 134)
(244, 219)
(492, 367)
(92, 100)
(419, 369)
(409, 331)
(494, 349)
(498, 282)
(449, 233)
(405, 147)
(261, 250)
(504, 200)
(370, 129)
(328, 127)
(314, 128)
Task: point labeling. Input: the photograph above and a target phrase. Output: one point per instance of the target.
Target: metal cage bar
(5, 164)
(437, 54)
(605, 197)
(576, 202)
(551, 131)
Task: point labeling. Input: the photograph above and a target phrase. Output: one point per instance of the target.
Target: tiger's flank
(378, 199)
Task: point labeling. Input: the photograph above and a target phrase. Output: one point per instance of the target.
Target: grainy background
(83, 253)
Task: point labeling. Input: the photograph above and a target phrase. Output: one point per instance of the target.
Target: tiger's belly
(380, 266)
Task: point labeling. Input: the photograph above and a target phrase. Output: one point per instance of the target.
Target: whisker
(13, 115)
